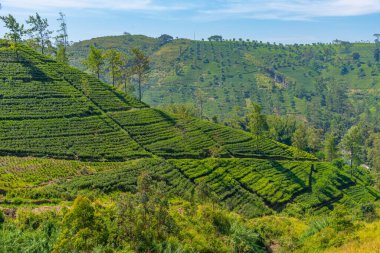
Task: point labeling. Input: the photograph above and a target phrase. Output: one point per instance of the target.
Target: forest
(136, 144)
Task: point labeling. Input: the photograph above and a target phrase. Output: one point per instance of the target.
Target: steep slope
(49, 109)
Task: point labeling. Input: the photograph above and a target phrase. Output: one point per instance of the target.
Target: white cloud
(292, 9)
(138, 5)
(215, 9)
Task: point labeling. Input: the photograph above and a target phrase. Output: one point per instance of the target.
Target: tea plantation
(50, 109)
(97, 140)
(249, 186)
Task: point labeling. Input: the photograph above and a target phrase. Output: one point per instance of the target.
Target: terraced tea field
(50, 109)
(106, 138)
(249, 186)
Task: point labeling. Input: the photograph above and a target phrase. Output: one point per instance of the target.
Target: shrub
(2, 216)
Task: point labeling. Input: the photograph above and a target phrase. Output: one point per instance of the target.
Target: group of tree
(38, 34)
(117, 66)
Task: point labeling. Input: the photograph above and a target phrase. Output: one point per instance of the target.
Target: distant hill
(106, 138)
(329, 85)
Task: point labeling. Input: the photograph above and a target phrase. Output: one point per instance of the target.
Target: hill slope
(318, 82)
(50, 109)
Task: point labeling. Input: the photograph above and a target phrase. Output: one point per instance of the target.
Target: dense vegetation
(51, 109)
(283, 79)
(119, 176)
(153, 205)
(322, 98)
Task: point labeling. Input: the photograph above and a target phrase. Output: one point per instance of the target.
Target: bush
(221, 222)
(368, 211)
(2, 216)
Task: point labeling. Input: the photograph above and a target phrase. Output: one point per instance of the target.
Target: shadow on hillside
(35, 72)
(288, 173)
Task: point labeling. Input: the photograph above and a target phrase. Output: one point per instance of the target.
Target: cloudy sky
(285, 21)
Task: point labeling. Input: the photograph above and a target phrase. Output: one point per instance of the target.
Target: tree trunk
(113, 79)
(140, 95)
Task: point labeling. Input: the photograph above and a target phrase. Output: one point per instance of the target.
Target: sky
(280, 21)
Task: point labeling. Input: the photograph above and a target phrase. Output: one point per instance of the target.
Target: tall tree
(352, 144)
(374, 156)
(39, 30)
(94, 61)
(114, 63)
(330, 147)
(256, 121)
(16, 30)
(126, 73)
(299, 138)
(200, 98)
(140, 67)
(374, 151)
(62, 39)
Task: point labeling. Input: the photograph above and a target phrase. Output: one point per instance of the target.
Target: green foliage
(180, 110)
(2, 217)
(140, 66)
(39, 30)
(299, 138)
(61, 55)
(114, 62)
(16, 30)
(257, 122)
(94, 61)
(82, 228)
(300, 80)
(330, 147)
(353, 143)
(31, 232)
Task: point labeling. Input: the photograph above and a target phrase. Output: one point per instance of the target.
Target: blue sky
(282, 21)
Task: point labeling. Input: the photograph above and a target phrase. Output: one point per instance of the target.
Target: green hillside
(249, 186)
(50, 109)
(317, 82)
(87, 168)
